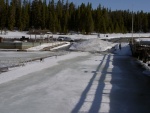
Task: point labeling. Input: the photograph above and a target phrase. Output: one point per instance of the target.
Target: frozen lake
(14, 58)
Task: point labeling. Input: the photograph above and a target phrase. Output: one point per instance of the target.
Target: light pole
(132, 25)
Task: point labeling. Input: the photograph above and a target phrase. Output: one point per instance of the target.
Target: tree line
(64, 17)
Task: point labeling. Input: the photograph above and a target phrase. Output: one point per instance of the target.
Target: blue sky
(136, 5)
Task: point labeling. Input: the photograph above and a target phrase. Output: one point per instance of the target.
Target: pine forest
(63, 17)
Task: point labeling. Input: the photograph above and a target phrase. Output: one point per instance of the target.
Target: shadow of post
(120, 88)
(96, 103)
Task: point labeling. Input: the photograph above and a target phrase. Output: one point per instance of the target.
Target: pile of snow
(92, 45)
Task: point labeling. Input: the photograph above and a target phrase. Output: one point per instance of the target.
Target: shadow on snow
(120, 88)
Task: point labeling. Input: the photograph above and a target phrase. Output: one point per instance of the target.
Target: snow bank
(53, 46)
(92, 45)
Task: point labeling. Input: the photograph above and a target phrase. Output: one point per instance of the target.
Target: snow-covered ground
(92, 44)
(17, 34)
(86, 86)
(52, 61)
(77, 82)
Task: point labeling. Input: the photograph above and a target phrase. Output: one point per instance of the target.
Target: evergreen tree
(6, 13)
(63, 17)
(52, 19)
(82, 17)
(72, 17)
(103, 25)
(78, 22)
(97, 18)
(145, 23)
(43, 23)
(36, 13)
(25, 15)
(18, 22)
(89, 24)
(148, 16)
(59, 16)
(11, 15)
(2, 14)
